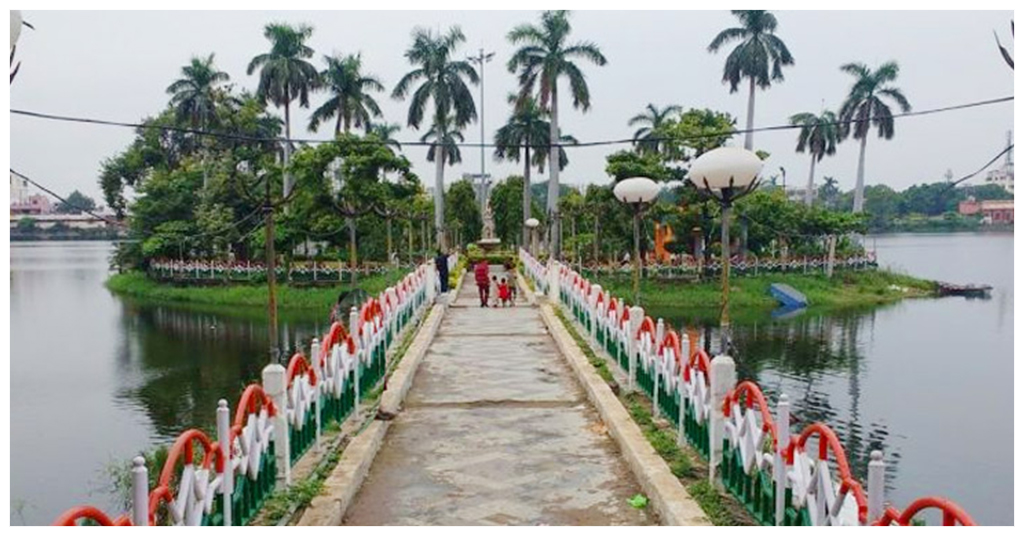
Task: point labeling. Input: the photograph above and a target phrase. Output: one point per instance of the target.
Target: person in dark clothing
(441, 263)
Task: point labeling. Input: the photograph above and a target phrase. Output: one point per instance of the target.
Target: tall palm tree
(444, 83)
(444, 138)
(759, 57)
(544, 56)
(286, 75)
(193, 96)
(527, 128)
(819, 135)
(385, 132)
(651, 120)
(350, 91)
(869, 104)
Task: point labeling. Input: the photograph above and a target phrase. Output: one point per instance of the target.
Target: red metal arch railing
(828, 441)
(747, 394)
(253, 400)
(71, 518)
(183, 451)
(699, 359)
(298, 366)
(671, 341)
(952, 514)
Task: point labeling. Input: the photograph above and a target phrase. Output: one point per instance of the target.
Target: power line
(260, 139)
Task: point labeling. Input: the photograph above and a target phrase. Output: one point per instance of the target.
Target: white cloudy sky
(116, 65)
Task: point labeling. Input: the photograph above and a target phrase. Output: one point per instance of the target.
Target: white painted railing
(274, 422)
(751, 454)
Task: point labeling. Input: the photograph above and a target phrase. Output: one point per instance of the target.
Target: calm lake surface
(95, 378)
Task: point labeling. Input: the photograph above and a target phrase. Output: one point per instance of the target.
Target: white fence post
(554, 268)
(594, 309)
(723, 378)
(224, 440)
(353, 325)
(782, 427)
(275, 384)
(683, 389)
(314, 358)
(636, 316)
(876, 486)
(140, 492)
(659, 336)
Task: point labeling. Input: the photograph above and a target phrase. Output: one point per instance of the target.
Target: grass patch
(138, 285)
(845, 289)
(286, 501)
(598, 363)
(711, 502)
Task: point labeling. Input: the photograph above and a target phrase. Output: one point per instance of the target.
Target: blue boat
(789, 297)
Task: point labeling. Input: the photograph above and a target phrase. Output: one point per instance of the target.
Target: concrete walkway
(496, 430)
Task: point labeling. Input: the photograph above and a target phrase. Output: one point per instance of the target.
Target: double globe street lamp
(726, 174)
(637, 192)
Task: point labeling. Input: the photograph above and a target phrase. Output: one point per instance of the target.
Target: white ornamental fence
(781, 476)
(203, 483)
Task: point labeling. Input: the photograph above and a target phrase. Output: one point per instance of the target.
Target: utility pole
(268, 211)
(480, 61)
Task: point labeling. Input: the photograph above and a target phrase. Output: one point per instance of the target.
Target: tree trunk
(858, 192)
(526, 199)
(439, 189)
(809, 194)
(352, 247)
(748, 141)
(287, 145)
(554, 226)
(390, 249)
(597, 239)
(337, 125)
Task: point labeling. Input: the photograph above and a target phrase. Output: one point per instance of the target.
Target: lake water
(95, 378)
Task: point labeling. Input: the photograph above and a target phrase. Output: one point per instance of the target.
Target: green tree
(528, 129)
(285, 75)
(445, 138)
(77, 203)
(193, 96)
(869, 104)
(26, 225)
(651, 120)
(626, 163)
(443, 81)
(819, 135)
(462, 211)
(828, 192)
(759, 57)
(507, 206)
(695, 132)
(350, 101)
(543, 56)
(385, 132)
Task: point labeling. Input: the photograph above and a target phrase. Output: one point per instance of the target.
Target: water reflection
(185, 359)
(818, 361)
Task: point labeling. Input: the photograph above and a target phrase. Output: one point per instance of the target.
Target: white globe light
(725, 167)
(636, 190)
(532, 223)
(15, 26)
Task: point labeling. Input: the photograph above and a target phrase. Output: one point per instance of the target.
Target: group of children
(493, 293)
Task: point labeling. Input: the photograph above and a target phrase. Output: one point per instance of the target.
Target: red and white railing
(204, 480)
(724, 418)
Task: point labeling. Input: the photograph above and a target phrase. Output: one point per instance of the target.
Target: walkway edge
(343, 483)
(670, 499)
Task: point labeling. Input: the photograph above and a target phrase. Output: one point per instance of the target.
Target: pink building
(32, 205)
(992, 212)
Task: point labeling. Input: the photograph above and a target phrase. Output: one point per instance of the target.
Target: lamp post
(726, 174)
(532, 223)
(636, 192)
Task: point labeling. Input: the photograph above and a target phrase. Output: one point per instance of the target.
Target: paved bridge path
(496, 430)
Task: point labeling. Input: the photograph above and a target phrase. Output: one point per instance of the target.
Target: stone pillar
(314, 358)
(684, 346)
(636, 316)
(781, 483)
(140, 492)
(353, 323)
(227, 484)
(274, 384)
(594, 311)
(554, 267)
(876, 486)
(723, 379)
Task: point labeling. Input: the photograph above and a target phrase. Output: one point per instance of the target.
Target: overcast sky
(116, 65)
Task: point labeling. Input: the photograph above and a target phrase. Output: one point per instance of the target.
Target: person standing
(483, 281)
(441, 263)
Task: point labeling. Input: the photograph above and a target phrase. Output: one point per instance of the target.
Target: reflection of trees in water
(806, 357)
(185, 361)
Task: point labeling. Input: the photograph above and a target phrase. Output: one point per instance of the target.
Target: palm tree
(819, 135)
(544, 56)
(759, 57)
(193, 96)
(385, 132)
(866, 105)
(350, 99)
(443, 82)
(652, 120)
(828, 192)
(444, 137)
(285, 75)
(527, 128)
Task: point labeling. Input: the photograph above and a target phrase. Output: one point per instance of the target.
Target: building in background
(1003, 176)
(992, 212)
